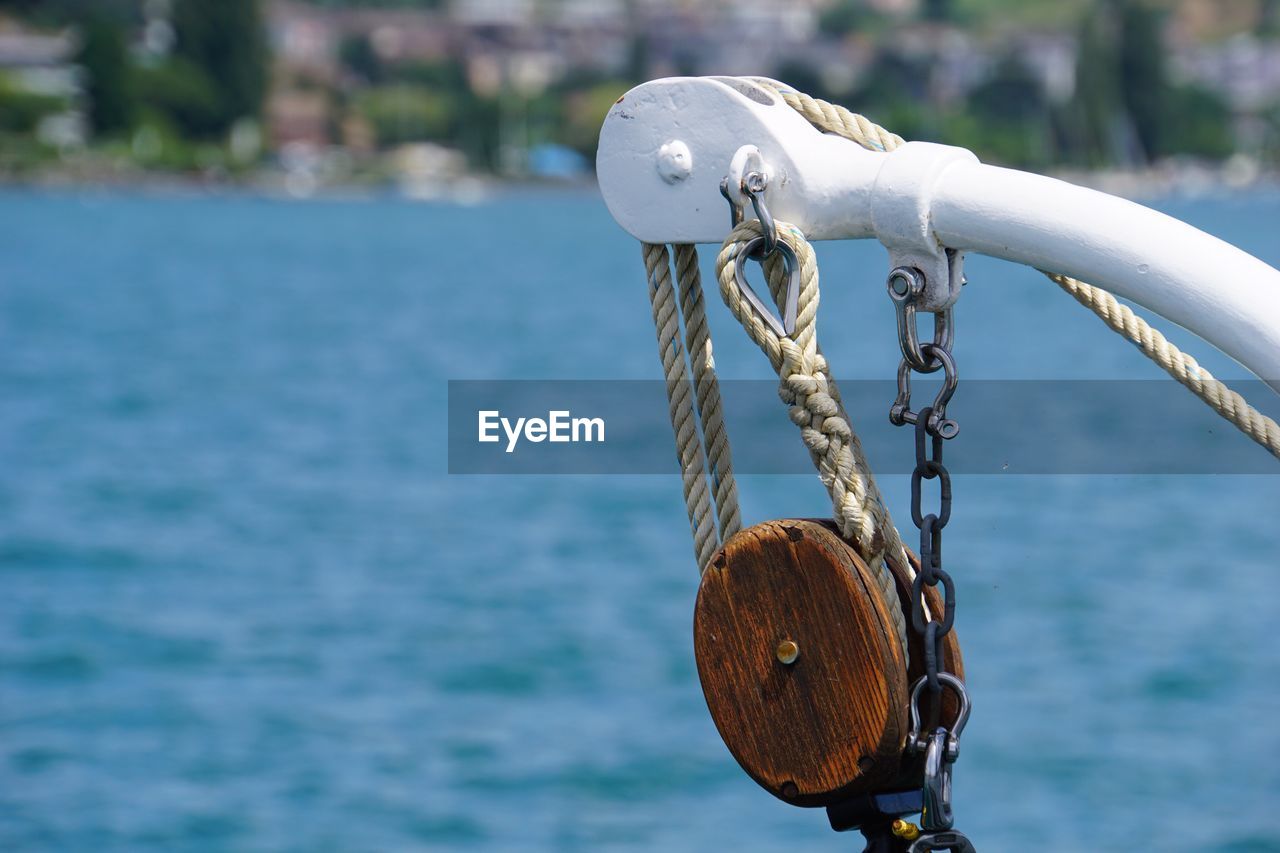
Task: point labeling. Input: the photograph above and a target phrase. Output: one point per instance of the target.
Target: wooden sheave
(802, 668)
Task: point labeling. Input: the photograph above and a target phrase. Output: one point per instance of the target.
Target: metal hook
(790, 305)
(753, 185)
(905, 286)
(916, 743)
(941, 749)
(937, 421)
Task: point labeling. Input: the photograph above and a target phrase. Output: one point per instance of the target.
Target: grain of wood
(832, 723)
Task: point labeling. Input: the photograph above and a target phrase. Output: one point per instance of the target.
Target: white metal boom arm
(666, 146)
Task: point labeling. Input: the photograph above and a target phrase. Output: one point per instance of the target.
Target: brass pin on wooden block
(845, 709)
(783, 582)
(787, 652)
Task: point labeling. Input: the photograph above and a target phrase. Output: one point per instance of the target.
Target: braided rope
(806, 387)
(833, 118)
(1182, 367)
(680, 397)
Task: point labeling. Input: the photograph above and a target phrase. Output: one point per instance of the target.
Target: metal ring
(914, 740)
(900, 412)
(937, 422)
(944, 497)
(936, 451)
(948, 620)
(790, 305)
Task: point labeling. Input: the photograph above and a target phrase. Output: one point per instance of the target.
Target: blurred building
(510, 50)
(42, 65)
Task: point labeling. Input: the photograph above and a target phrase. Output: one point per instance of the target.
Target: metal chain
(929, 467)
(932, 429)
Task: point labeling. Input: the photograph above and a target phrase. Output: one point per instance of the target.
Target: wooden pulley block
(802, 666)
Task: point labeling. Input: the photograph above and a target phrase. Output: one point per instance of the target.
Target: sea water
(243, 605)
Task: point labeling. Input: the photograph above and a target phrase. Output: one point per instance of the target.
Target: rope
(707, 387)
(1175, 362)
(666, 323)
(806, 387)
(806, 384)
(833, 118)
(696, 451)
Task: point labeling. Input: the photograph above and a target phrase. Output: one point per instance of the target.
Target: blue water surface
(244, 607)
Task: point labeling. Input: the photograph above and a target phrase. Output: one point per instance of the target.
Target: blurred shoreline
(458, 100)
(1237, 174)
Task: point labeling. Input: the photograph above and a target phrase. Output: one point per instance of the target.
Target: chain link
(932, 429)
(929, 467)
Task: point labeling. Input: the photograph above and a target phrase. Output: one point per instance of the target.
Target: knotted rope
(813, 401)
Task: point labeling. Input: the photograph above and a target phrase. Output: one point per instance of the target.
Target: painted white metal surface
(1219, 292)
(918, 199)
(821, 183)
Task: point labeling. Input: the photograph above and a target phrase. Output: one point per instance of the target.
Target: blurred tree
(60, 13)
(1095, 108)
(938, 10)
(803, 77)
(21, 111)
(404, 113)
(1269, 144)
(638, 47)
(1125, 109)
(1010, 118)
(479, 131)
(894, 92)
(1199, 124)
(1269, 17)
(449, 75)
(357, 54)
(109, 83)
(1144, 82)
(1012, 92)
(686, 63)
(400, 4)
(584, 112)
(474, 125)
(638, 53)
(894, 76)
(844, 17)
(226, 40)
(180, 94)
